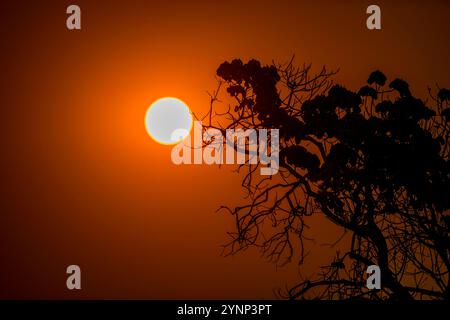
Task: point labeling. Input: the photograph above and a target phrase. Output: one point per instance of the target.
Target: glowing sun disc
(168, 120)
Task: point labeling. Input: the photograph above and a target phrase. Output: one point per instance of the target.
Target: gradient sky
(82, 183)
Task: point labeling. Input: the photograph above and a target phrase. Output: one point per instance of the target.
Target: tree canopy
(375, 162)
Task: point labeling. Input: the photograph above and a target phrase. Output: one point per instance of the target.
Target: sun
(168, 120)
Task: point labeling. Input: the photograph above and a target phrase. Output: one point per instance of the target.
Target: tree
(374, 162)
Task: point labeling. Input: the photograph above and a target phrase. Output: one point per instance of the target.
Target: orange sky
(81, 181)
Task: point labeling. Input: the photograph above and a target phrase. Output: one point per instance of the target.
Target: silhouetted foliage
(374, 162)
(377, 77)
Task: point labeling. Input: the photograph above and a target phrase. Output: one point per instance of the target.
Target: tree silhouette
(374, 162)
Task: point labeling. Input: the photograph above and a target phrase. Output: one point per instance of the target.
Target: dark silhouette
(374, 162)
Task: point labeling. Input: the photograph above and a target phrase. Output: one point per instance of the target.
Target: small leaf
(378, 77)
